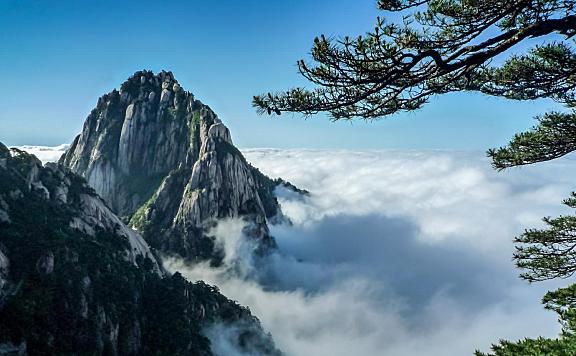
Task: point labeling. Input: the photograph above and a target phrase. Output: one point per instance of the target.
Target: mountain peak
(146, 81)
(166, 163)
(141, 132)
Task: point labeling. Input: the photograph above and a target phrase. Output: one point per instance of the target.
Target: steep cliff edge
(166, 163)
(74, 279)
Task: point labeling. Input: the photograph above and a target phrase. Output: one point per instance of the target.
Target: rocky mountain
(75, 280)
(166, 164)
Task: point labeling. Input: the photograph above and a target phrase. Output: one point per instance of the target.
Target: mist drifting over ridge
(394, 253)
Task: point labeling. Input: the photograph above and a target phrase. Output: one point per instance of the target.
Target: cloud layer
(46, 153)
(450, 196)
(394, 253)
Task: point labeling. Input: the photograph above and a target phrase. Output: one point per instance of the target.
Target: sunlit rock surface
(74, 279)
(166, 164)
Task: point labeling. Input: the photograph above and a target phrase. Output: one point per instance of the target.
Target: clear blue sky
(58, 57)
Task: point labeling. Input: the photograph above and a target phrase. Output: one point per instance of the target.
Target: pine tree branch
(398, 68)
(553, 137)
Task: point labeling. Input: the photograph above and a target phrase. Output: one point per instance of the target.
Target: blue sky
(58, 57)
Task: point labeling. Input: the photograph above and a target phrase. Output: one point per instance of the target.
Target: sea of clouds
(392, 253)
(46, 153)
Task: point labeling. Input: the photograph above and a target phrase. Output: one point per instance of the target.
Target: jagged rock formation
(164, 162)
(74, 279)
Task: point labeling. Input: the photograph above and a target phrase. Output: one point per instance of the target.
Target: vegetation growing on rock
(171, 169)
(73, 282)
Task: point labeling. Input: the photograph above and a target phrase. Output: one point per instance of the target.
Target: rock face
(134, 138)
(74, 279)
(4, 273)
(164, 162)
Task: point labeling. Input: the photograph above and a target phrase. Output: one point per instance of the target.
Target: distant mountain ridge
(74, 279)
(166, 163)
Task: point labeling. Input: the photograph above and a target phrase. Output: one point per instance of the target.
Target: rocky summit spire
(166, 163)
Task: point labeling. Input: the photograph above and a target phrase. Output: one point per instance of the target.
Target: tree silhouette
(445, 46)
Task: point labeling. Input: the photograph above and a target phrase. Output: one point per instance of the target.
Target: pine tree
(445, 46)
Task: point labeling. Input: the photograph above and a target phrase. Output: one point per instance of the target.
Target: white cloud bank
(451, 196)
(394, 253)
(46, 153)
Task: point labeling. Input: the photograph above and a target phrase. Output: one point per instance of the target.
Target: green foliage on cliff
(74, 293)
(140, 218)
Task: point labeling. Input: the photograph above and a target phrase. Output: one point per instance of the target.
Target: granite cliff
(166, 164)
(75, 280)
